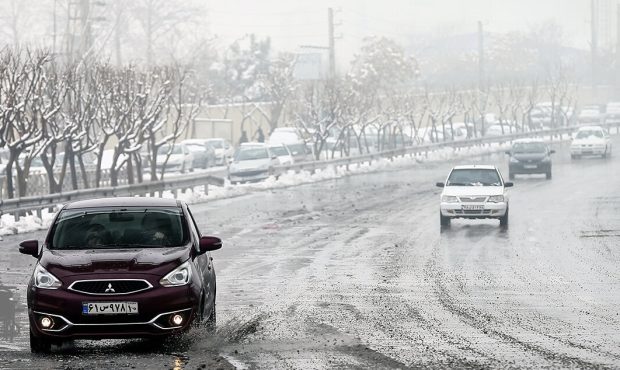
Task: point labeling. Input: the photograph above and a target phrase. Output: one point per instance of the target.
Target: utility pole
(594, 41)
(480, 56)
(332, 43)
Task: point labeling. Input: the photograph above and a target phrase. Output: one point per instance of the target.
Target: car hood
(254, 164)
(472, 190)
(588, 141)
(529, 156)
(158, 261)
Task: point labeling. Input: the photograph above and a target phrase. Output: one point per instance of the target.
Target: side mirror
(29, 247)
(209, 243)
(551, 151)
(439, 184)
(508, 184)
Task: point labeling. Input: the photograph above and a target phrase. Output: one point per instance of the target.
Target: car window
(279, 151)
(584, 134)
(474, 177)
(217, 144)
(103, 228)
(529, 148)
(248, 154)
(176, 149)
(195, 147)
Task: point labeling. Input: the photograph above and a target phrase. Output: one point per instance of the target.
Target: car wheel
(443, 220)
(503, 221)
(39, 345)
(548, 175)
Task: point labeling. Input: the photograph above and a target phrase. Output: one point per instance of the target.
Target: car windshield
(195, 147)
(297, 149)
(104, 228)
(248, 154)
(474, 177)
(584, 134)
(279, 151)
(529, 148)
(217, 144)
(163, 150)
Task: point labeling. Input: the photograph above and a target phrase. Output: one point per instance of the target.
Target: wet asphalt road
(356, 273)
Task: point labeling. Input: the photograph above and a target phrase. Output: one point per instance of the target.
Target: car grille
(472, 212)
(472, 199)
(110, 287)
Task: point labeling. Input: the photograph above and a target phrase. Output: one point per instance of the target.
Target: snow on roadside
(31, 222)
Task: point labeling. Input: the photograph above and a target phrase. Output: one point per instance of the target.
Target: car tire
(39, 345)
(548, 175)
(503, 221)
(443, 220)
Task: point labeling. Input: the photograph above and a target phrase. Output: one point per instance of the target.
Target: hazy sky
(291, 23)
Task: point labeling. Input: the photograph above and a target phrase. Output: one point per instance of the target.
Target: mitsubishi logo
(110, 289)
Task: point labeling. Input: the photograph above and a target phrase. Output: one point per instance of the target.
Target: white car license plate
(109, 308)
(529, 166)
(473, 207)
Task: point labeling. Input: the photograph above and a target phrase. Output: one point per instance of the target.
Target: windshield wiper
(457, 184)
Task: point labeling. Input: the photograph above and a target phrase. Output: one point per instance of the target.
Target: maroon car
(120, 268)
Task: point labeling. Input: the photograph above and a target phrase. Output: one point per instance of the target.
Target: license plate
(109, 308)
(530, 166)
(472, 208)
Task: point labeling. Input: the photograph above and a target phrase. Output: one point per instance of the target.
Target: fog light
(177, 319)
(47, 322)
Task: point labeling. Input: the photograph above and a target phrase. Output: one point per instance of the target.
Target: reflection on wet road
(357, 273)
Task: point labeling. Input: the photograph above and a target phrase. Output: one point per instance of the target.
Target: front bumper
(589, 149)
(155, 310)
(473, 210)
(249, 176)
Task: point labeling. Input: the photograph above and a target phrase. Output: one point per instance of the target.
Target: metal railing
(18, 206)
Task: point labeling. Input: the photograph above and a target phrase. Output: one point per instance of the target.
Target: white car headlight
(179, 276)
(449, 199)
(45, 280)
(496, 199)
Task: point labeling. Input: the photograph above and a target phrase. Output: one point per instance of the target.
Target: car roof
(584, 128)
(475, 166)
(528, 140)
(256, 144)
(124, 202)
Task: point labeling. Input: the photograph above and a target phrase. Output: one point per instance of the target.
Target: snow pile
(28, 223)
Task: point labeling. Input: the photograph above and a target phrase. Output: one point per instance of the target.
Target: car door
(204, 261)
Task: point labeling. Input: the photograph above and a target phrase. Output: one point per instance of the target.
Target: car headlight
(179, 276)
(496, 199)
(449, 199)
(45, 280)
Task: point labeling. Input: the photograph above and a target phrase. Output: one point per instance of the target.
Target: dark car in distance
(120, 268)
(529, 156)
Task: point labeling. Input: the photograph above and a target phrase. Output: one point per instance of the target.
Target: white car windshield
(248, 154)
(474, 177)
(584, 134)
(529, 148)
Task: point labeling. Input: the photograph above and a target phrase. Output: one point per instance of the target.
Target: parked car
(590, 115)
(252, 162)
(529, 156)
(283, 153)
(223, 150)
(180, 160)
(612, 112)
(499, 130)
(590, 140)
(120, 268)
(290, 137)
(203, 153)
(474, 192)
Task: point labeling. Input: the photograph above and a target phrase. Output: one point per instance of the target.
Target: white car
(474, 192)
(252, 162)
(497, 130)
(590, 140)
(590, 114)
(180, 159)
(283, 154)
(223, 150)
